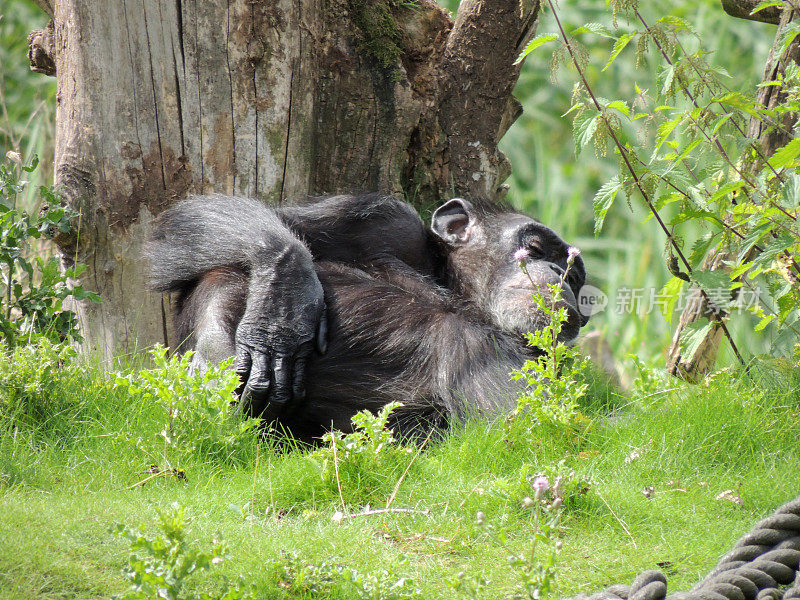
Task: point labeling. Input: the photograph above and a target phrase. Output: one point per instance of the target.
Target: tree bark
(743, 9)
(770, 139)
(275, 100)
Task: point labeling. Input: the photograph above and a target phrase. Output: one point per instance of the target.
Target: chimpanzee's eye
(534, 248)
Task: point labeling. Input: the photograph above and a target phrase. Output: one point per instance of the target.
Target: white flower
(540, 485)
(572, 254)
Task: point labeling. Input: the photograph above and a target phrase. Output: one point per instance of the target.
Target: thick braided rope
(763, 565)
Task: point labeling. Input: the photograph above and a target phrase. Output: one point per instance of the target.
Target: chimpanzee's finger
(258, 383)
(243, 361)
(242, 366)
(282, 372)
(322, 331)
(243, 406)
(299, 380)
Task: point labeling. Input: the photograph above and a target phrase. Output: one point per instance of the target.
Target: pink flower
(540, 485)
(572, 254)
(521, 255)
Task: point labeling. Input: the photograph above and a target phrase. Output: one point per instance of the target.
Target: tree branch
(46, 6)
(477, 76)
(42, 50)
(742, 9)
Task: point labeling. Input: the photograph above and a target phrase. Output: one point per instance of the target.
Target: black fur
(430, 317)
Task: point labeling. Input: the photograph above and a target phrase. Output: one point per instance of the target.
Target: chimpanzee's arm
(363, 230)
(285, 309)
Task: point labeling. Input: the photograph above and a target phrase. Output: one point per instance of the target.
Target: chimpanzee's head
(482, 244)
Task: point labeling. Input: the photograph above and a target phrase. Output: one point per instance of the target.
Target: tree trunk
(270, 99)
(693, 368)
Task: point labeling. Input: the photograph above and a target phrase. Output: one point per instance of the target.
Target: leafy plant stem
(689, 95)
(630, 168)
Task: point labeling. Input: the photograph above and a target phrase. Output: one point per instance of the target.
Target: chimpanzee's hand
(284, 318)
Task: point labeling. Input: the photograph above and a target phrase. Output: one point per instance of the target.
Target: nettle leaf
(669, 77)
(763, 322)
(667, 198)
(716, 285)
(677, 23)
(687, 151)
(619, 46)
(621, 106)
(664, 131)
(738, 101)
(761, 6)
(596, 28)
(788, 34)
(740, 270)
(725, 190)
(692, 337)
(790, 190)
(603, 200)
(539, 40)
(786, 155)
(754, 237)
(671, 292)
(583, 129)
(701, 246)
(720, 122)
(772, 249)
(687, 213)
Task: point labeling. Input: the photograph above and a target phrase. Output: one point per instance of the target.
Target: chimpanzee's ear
(453, 221)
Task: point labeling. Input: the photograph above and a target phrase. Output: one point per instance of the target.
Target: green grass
(67, 478)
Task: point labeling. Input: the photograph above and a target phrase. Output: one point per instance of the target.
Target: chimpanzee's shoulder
(366, 206)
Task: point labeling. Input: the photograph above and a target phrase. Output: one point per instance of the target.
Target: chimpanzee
(433, 317)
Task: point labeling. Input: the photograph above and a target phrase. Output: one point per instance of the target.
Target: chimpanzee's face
(484, 264)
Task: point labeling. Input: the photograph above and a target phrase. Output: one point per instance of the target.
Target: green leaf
(738, 101)
(740, 270)
(788, 34)
(595, 28)
(664, 131)
(539, 40)
(716, 285)
(669, 76)
(786, 155)
(720, 122)
(583, 129)
(692, 337)
(678, 24)
(603, 200)
(671, 292)
(764, 322)
(725, 190)
(688, 149)
(620, 106)
(619, 46)
(764, 5)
